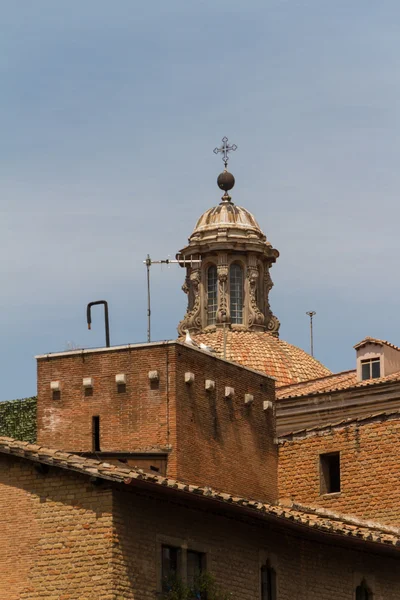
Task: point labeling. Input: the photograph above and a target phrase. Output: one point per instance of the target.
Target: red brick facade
(64, 537)
(369, 468)
(210, 439)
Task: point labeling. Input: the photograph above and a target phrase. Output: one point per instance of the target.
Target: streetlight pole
(311, 314)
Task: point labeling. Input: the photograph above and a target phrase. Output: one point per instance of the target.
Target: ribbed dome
(227, 216)
(267, 353)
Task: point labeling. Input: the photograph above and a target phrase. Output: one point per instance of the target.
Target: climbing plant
(18, 419)
(203, 588)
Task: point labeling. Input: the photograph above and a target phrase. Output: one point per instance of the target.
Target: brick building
(73, 527)
(228, 451)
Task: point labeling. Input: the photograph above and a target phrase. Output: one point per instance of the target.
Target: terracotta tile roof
(319, 385)
(266, 353)
(370, 340)
(346, 380)
(318, 429)
(311, 519)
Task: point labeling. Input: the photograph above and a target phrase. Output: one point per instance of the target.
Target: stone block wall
(56, 532)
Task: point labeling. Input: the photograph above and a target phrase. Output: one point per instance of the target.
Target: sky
(109, 112)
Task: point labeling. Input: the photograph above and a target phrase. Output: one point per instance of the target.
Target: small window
(268, 583)
(96, 434)
(370, 369)
(169, 567)
(363, 592)
(212, 294)
(330, 472)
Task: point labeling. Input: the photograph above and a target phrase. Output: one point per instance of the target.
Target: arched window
(212, 294)
(236, 293)
(363, 592)
(268, 582)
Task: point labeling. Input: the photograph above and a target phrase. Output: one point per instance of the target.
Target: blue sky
(109, 112)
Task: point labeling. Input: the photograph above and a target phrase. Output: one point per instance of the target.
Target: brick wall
(135, 419)
(64, 538)
(211, 440)
(222, 442)
(369, 465)
(55, 535)
(235, 552)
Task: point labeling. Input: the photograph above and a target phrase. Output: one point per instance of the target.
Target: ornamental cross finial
(225, 149)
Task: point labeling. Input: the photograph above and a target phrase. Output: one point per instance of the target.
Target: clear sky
(109, 112)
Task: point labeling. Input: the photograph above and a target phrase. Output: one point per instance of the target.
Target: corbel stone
(248, 398)
(154, 376)
(229, 392)
(189, 378)
(209, 385)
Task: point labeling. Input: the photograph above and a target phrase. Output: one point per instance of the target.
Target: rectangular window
(96, 434)
(169, 567)
(195, 562)
(370, 369)
(212, 294)
(330, 472)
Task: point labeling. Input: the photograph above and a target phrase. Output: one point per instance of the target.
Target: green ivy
(18, 419)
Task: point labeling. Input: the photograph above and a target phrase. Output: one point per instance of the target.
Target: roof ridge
(349, 421)
(323, 377)
(387, 379)
(372, 340)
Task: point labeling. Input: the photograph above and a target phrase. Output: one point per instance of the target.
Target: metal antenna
(225, 149)
(311, 314)
(168, 261)
(106, 321)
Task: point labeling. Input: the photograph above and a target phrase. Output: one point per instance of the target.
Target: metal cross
(225, 148)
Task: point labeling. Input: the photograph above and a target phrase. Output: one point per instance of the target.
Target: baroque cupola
(230, 281)
(228, 260)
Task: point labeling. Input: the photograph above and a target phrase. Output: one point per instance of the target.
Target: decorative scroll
(272, 322)
(256, 316)
(223, 304)
(192, 318)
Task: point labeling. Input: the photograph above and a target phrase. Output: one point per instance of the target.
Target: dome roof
(267, 353)
(227, 216)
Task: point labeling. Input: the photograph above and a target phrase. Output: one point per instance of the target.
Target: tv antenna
(168, 261)
(311, 314)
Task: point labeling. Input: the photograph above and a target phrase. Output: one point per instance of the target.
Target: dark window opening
(363, 592)
(268, 583)
(236, 293)
(330, 473)
(88, 391)
(56, 395)
(212, 294)
(96, 433)
(169, 567)
(370, 369)
(121, 388)
(153, 468)
(195, 568)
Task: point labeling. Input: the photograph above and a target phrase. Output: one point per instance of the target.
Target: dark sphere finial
(225, 181)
